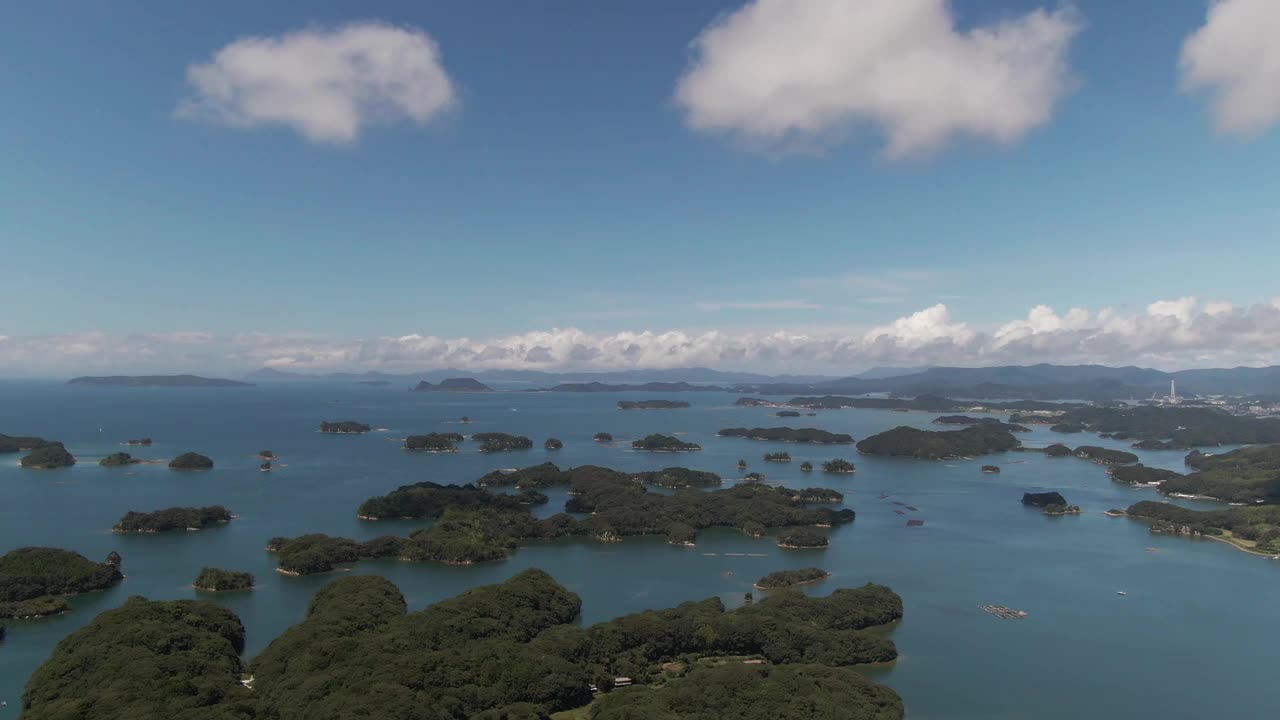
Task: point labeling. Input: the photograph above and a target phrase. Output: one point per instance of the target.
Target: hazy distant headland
(156, 381)
(462, 384)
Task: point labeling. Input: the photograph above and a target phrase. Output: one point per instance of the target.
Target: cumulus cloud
(1234, 56)
(1168, 334)
(326, 84)
(778, 72)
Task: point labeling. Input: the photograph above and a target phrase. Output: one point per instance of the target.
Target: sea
(1120, 623)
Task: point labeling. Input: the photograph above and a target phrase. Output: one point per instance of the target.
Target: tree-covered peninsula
(1247, 475)
(48, 458)
(905, 441)
(433, 442)
(652, 404)
(34, 580)
(17, 443)
(344, 427)
(118, 460)
(787, 578)
(1174, 427)
(191, 461)
(786, 434)
(989, 422)
(491, 442)
(174, 518)
(664, 443)
(1104, 456)
(219, 580)
(508, 651)
(1255, 528)
(1140, 474)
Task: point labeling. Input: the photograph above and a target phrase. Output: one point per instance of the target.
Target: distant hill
(539, 377)
(157, 381)
(453, 385)
(880, 373)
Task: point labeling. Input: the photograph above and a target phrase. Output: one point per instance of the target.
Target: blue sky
(566, 187)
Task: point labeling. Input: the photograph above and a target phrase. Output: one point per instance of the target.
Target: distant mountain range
(157, 381)
(540, 378)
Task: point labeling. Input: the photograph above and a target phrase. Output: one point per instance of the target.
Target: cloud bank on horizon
(1169, 334)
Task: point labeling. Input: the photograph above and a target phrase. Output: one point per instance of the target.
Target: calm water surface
(1194, 636)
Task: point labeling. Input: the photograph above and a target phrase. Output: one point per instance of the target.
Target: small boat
(1121, 592)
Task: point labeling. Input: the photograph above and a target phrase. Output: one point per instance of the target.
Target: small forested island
(742, 464)
(787, 413)
(754, 476)
(1140, 474)
(265, 466)
(553, 444)
(344, 427)
(191, 461)
(777, 457)
(139, 441)
(839, 466)
(433, 442)
(1052, 502)
(500, 442)
(157, 381)
(990, 468)
(510, 650)
(652, 404)
(13, 444)
(118, 459)
(787, 578)
(786, 434)
(904, 441)
(664, 443)
(1068, 427)
(988, 422)
(1062, 509)
(48, 458)
(219, 580)
(802, 538)
(35, 580)
(1057, 450)
(602, 437)
(266, 455)
(1254, 528)
(174, 518)
(453, 385)
(1104, 456)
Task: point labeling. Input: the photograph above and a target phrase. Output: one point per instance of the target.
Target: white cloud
(758, 305)
(1168, 334)
(780, 72)
(326, 84)
(1235, 56)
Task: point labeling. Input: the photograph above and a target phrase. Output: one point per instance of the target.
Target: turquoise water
(1192, 638)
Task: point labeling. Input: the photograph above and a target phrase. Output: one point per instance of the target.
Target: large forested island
(1174, 427)
(664, 443)
(34, 580)
(1255, 528)
(1247, 475)
(48, 457)
(157, 381)
(433, 442)
(174, 518)
(904, 441)
(786, 434)
(453, 385)
(500, 442)
(219, 580)
(191, 461)
(344, 427)
(509, 651)
(17, 443)
(652, 404)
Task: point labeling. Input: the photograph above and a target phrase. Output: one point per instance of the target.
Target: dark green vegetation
(1140, 474)
(1067, 427)
(509, 651)
(1176, 427)
(904, 441)
(265, 466)
(433, 442)
(553, 444)
(1057, 450)
(266, 455)
(319, 553)
(785, 434)
(429, 500)
(13, 443)
(987, 422)
(118, 459)
(1246, 475)
(990, 468)
(145, 660)
(777, 457)
(742, 692)
(1043, 499)
(453, 385)
(48, 457)
(787, 578)
(344, 427)
(1105, 456)
(806, 466)
(158, 381)
(501, 442)
(802, 538)
(174, 518)
(817, 495)
(219, 580)
(602, 437)
(664, 443)
(652, 404)
(925, 403)
(1062, 509)
(754, 476)
(836, 465)
(1254, 527)
(191, 461)
(34, 579)
(742, 464)
(787, 413)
